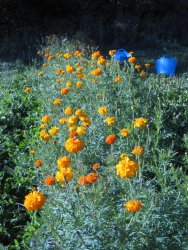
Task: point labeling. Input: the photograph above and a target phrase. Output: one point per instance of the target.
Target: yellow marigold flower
(126, 168)
(79, 69)
(74, 145)
(79, 112)
(38, 163)
(96, 55)
(60, 71)
(143, 74)
(27, 90)
(46, 137)
(81, 130)
(110, 120)
(46, 118)
(49, 181)
(69, 84)
(42, 133)
(57, 101)
(41, 73)
(53, 131)
(138, 66)
(124, 132)
(62, 120)
(102, 110)
(43, 125)
(63, 162)
(83, 117)
(32, 151)
(147, 65)
(69, 68)
(140, 122)
(133, 205)
(96, 72)
(112, 52)
(117, 79)
(132, 59)
(79, 84)
(65, 175)
(67, 55)
(68, 111)
(138, 151)
(72, 120)
(101, 61)
(34, 201)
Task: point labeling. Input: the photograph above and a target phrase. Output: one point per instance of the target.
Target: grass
(94, 216)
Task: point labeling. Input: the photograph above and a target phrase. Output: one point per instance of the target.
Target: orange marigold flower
(79, 112)
(27, 90)
(69, 68)
(95, 166)
(92, 177)
(96, 72)
(49, 181)
(46, 118)
(46, 137)
(112, 52)
(60, 71)
(138, 66)
(34, 201)
(73, 134)
(46, 55)
(38, 163)
(132, 59)
(96, 55)
(133, 205)
(124, 132)
(102, 110)
(140, 122)
(64, 91)
(53, 131)
(57, 101)
(74, 145)
(110, 139)
(80, 75)
(82, 180)
(110, 120)
(143, 74)
(79, 69)
(147, 65)
(50, 58)
(138, 151)
(117, 79)
(63, 162)
(77, 53)
(68, 111)
(79, 84)
(64, 175)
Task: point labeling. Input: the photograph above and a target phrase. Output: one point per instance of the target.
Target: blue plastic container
(166, 65)
(121, 56)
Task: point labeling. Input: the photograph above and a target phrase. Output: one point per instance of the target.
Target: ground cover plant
(109, 153)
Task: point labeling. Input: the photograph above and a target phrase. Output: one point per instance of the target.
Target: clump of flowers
(34, 201)
(133, 206)
(74, 145)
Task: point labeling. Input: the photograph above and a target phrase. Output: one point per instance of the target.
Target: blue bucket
(166, 65)
(121, 56)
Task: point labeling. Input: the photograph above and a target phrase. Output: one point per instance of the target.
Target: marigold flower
(69, 68)
(83, 117)
(117, 79)
(46, 118)
(69, 84)
(102, 110)
(46, 55)
(138, 151)
(68, 110)
(63, 162)
(72, 120)
(147, 65)
(62, 120)
(96, 55)
(143, 74)
(96, 72)
(27, 90)
(38, 163)
(74, 145)
(112, 52)
(50, 58)
(79, 112)
(138, 66)
(42, 133)
(124, 132)
(57, 101)
(126, 168)
(44, 65)
(81, 130)
(49, 181)
(140, 122)
(110, 139)
(32, 151)
(79, 84)
(80, 75)
(86, 123)
(95, 166)
(64, 91)
(67, 55)
(110, 120)
(132, 59)
(79, 69)
(46, 137)
(34, 201)
(73, 134)
(77, 53)
(82, 180)
(60, 71)
(53, 131)
(101, 61)
(88, 179)
(133, 205)
(64, 175)
(58, 54)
